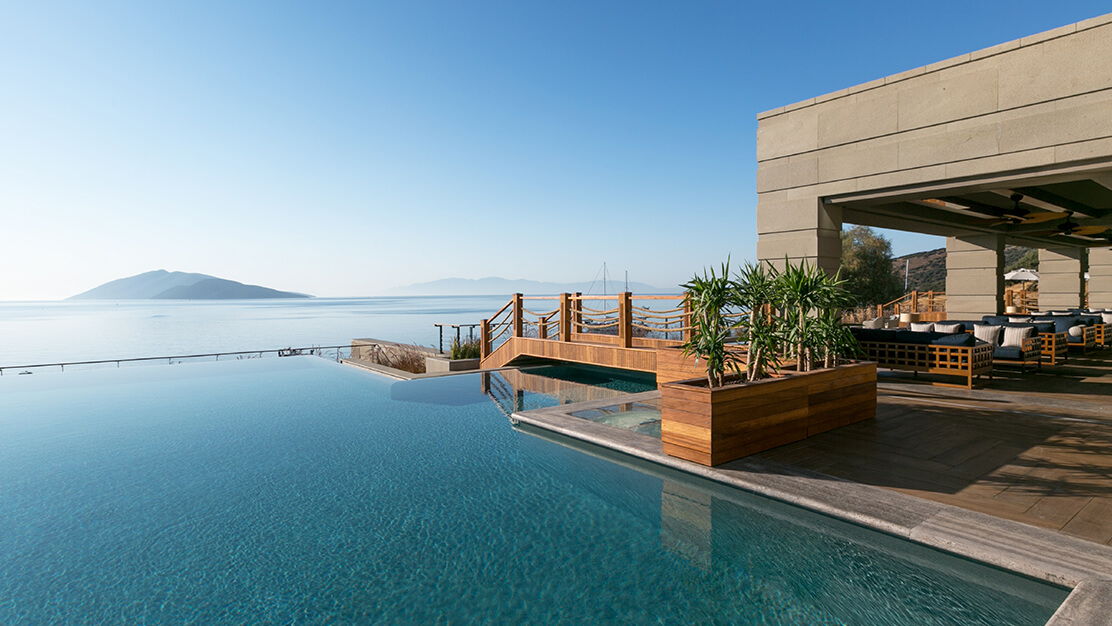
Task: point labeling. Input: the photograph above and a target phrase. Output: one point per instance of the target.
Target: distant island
(163, 285)
(495, 286)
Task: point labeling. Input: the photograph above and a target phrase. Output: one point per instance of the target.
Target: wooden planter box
(672, 365)
(714, 426)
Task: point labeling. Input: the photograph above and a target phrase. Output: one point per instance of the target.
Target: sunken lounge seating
(959, 354)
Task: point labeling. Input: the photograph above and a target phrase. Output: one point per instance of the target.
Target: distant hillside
(163, 285)
(496, 286)
(927, 270)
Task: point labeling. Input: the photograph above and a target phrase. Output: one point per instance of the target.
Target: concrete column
(799, 230)
(974, 276)
(1100, 278)
(1062, 278)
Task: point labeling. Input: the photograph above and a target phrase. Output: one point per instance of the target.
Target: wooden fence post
(484, 338)
(577, 314)
(519, 326)
(625, 319)
(914, 302)
(542, 328)
(565, 317)
(686, 320)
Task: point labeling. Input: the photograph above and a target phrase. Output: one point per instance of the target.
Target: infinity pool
(300, 491)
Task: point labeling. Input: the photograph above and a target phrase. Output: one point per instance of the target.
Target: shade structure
(1022, 274)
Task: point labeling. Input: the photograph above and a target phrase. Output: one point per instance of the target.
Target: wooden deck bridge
(627, 336)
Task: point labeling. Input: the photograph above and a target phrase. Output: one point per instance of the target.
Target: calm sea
(51, 332)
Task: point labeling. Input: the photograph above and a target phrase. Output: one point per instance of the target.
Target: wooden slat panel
(687, 454)
(765, 414)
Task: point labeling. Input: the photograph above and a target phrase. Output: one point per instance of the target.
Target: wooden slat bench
(968, 362)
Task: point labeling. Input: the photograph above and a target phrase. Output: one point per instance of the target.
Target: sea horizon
(54, 331)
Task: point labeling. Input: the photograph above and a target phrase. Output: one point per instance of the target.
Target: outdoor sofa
(1012, 343)
(1052, 331)
(1101, 322)
(1082, 329)
(945, 354)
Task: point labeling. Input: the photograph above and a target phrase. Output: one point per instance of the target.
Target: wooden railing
(1024, 301)
(576, 317)
(914, 302)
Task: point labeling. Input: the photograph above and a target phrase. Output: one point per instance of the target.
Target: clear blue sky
(343, 148)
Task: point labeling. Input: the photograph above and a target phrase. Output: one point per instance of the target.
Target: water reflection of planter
(714, 426)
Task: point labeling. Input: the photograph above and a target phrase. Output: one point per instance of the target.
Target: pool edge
(1083, 566)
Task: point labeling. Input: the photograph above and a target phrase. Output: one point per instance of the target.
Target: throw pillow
(949, 328)
(922, 327)
(1014, 335)
(1019, 320)
(988, 334)
(1107, 317)
(873, 323)
(1077, 331)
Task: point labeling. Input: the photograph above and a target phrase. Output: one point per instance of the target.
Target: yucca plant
(804, 290)
(709, 298)
(834, 337)
(812, 301)
(757, 289)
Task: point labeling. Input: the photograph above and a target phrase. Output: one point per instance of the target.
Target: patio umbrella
(1022, 274)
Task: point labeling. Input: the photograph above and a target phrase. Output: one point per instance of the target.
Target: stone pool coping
(1082, 565)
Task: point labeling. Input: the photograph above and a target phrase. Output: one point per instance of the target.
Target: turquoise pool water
(300, 491)
(608, 378)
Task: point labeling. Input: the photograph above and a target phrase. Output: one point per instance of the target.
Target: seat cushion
(988, 333)
(995, 320)
(955, 339)
(1007, 352)
(1061, 324)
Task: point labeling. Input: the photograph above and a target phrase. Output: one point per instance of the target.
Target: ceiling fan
(1016, 213)
(1069, 226)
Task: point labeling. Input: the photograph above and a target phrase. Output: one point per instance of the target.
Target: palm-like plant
(811, 298)
(709, 298)
(803, 288)
(809, 302)
(756, 291)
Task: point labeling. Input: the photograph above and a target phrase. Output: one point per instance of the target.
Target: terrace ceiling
(1039, 210)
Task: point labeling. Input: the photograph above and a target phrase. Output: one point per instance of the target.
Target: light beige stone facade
(974, 276)
(1026, 117)
(1062, 278)
(1100, 278)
